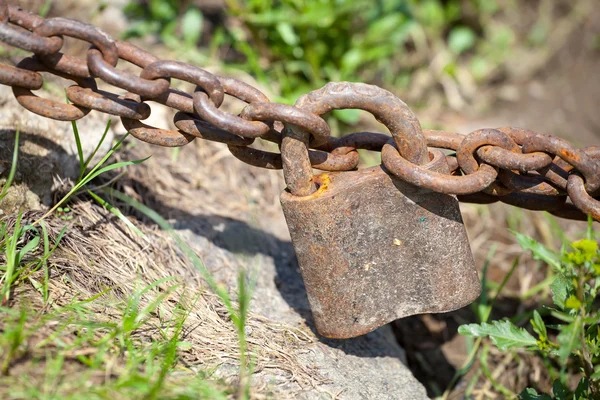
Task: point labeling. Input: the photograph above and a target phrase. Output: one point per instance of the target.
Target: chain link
(511, 165)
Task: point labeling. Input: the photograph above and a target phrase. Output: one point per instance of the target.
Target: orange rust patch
(323, 181)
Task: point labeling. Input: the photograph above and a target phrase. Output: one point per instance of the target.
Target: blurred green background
(417, 48)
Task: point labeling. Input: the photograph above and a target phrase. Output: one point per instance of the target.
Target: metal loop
(28, 41)
(443, 139)
(242, 91)
(256, 157)
(532, 184)
(532, 201)
(483, 137)
(588, 166)
(386, 108)
(354, 141)
(49, 108)
(149, 89)
(109, 103)
(24, 18)
(12, 76)
(233, 123)
(80, 30)
(152, 135)
(580, 197)
(318, 159)
(266, 112)
(192, 126)
(204, 80)
(421, 177)
(207, 110)
(501, 158)
(475, 140)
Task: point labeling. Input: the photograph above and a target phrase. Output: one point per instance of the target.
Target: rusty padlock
(372, 248)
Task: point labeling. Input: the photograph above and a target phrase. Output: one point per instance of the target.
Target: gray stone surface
(368, 367)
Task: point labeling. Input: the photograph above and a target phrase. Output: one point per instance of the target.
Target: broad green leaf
(461, 39)
(582, 389)
(163, 10)
(561, 287)
(568, 339)
(502, 37)
(540, 252)
(559, 390)
(351, 60)
(503, 334)
(382, 28)
(430, 14)
(191, 26)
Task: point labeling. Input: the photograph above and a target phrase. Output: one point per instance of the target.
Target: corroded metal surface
(373, 249)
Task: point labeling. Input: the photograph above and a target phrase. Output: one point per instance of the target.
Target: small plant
(64, 213)
(20, 261)
(13, 167)
(96, 171)
(571, 341)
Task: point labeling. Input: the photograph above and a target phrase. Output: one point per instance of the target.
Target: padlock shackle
(385, 107)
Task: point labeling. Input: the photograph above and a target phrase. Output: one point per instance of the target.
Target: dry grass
(99, 254)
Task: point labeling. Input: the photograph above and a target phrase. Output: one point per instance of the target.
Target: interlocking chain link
(511, 165)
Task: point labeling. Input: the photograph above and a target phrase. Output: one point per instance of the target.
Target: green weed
(13, 167)
(572, 340)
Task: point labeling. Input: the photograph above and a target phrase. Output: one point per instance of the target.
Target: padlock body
(373, 249)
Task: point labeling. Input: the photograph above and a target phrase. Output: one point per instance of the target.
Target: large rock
(372, 366)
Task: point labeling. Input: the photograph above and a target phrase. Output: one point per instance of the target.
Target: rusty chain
(516, 166)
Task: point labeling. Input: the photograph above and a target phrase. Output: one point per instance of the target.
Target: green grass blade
(117, 213)
(45, 262)
(91, 156)
(110, 167)
(11, 258)
(92, 174)
(79, 149)
(13, 167)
